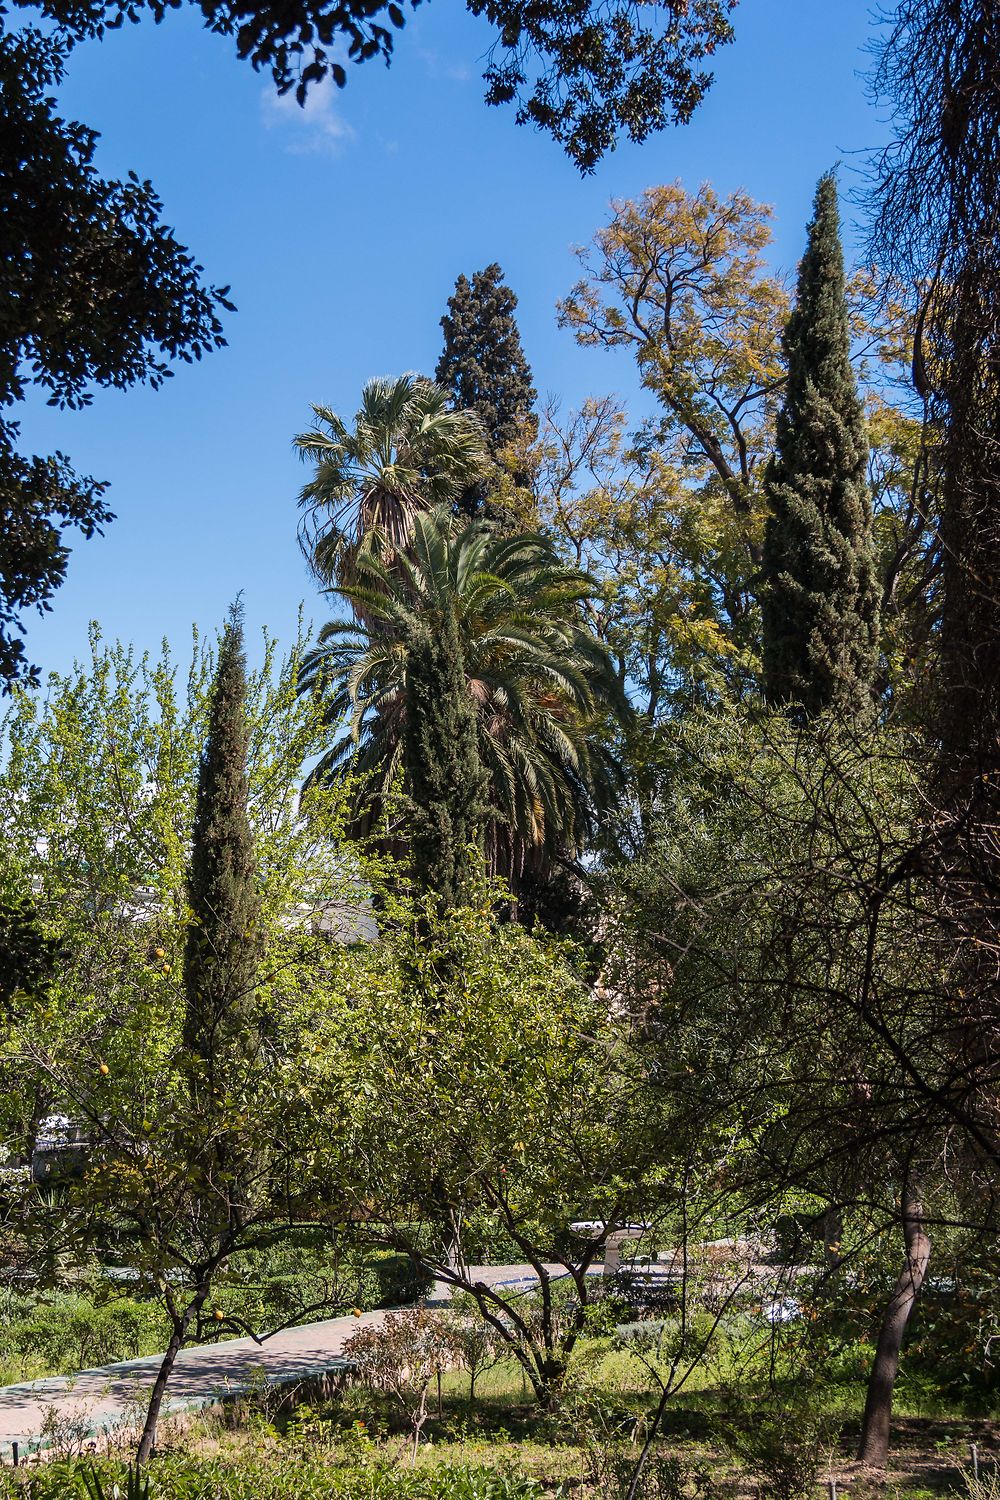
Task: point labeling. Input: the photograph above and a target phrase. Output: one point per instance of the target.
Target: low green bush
(55, 1332)
(297, 1282)
(59, 1333)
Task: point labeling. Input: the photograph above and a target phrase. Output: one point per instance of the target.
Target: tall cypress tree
(483, 365)
(819, 599)
(220, 962)
(223, 1175)
(445, 779)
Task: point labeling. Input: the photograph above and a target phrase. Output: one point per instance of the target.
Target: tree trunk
(181, 1326)
(833, 1230)
(874, 1447)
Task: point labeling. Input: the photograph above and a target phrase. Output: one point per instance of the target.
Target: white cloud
(315, 126)
(437, 68)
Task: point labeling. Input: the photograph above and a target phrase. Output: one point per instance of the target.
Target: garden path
(66, 1412)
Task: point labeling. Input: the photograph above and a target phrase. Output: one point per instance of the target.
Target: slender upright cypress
(483, 365)
(220, 962)
(820, 601)
(446, 783)
(220, 973)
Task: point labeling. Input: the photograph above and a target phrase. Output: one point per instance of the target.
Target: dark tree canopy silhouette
(585, 71)
(28, 957)
(937, 227)
(94, 291)
(937, 197)
(482, 363)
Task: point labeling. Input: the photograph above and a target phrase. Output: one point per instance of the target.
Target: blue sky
(341, 230)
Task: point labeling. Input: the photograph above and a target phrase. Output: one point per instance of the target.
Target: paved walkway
(68, 1411)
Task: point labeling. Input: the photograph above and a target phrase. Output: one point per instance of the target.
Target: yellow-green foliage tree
(663, 565)
(671, 519)
(681, 280)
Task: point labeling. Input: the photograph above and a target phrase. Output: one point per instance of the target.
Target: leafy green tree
(936, 190)
(220, 1037)
(444, 778)
(820, 593)
(482, 363)
(516, 1100)
(221, 973)
(98, 790)
(679, 278)
(407, 452)
(483, 366)
(780, 886)
(659, 550)
(541, 686)
(28, 958)
(193, 1156)
(935, 193)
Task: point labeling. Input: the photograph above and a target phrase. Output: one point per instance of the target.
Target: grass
(571, 1453)
(269, 1448)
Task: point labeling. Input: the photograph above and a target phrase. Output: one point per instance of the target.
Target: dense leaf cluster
(606, 68)
(583, 70)
(28, 956)
(541, 690)
(483, 364)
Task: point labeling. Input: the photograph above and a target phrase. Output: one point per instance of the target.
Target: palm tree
(408, 452)
(543, 686)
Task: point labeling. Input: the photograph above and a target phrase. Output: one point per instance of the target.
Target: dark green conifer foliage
(820, 602)
(220, 961)
(28, 959)
(445, 779)
(483, 365)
